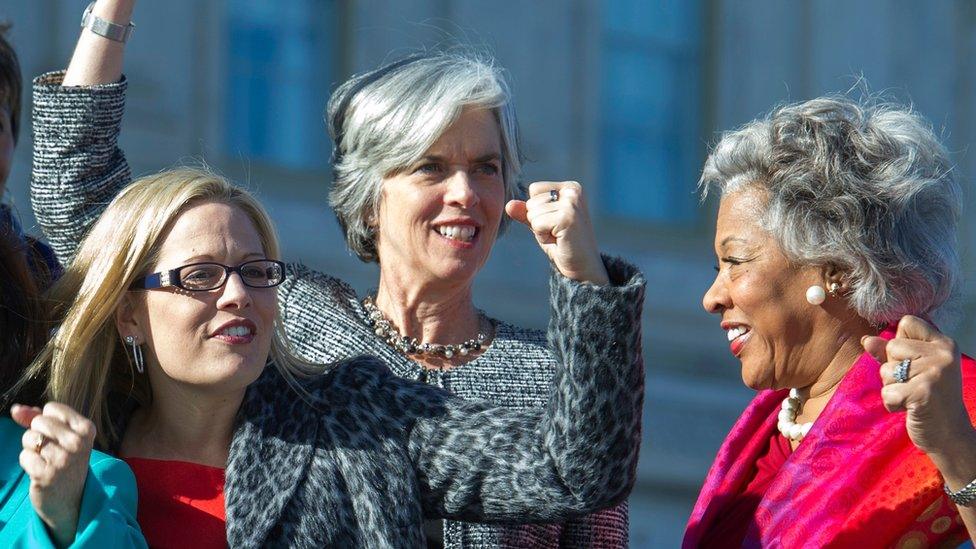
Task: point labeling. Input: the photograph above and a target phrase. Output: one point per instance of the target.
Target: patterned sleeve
(316, 309)
(78, 166)
(478, 462)
(608, 529)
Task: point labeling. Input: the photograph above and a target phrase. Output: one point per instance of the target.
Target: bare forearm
(98, 60)
(957, 463)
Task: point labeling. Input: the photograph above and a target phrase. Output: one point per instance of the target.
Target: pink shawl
(855, 481)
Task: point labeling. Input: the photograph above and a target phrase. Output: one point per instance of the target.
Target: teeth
(237, 331)
(736, 332)
(463, 233)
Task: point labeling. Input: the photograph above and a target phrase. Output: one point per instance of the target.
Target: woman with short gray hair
(426, 158)
(426, 162)
(836, 245)
(384, 120)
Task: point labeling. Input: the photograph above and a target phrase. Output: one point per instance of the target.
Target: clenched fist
(557, 215)
(932, 393)
(57, 445)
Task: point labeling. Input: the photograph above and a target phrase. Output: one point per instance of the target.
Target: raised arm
(78, 166)
(98, 60)
(477, 462)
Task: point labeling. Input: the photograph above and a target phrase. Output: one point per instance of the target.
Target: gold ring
(39, 444)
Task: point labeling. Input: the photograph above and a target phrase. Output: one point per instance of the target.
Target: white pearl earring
(816, 295)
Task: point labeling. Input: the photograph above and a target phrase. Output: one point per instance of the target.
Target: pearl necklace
(787, 418)
(405, 345)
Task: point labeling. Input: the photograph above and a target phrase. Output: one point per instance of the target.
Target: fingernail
(863, 338)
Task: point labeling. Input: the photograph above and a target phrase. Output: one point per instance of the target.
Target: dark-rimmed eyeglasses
(202, 277)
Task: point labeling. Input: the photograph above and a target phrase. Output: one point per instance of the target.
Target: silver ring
(901, 371)
(553, 195)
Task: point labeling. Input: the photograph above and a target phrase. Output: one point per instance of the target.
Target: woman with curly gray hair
(836, 245)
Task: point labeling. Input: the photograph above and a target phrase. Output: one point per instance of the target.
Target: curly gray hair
(865, 186)
(384, 120)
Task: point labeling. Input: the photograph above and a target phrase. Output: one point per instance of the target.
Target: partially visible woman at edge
(426, 156)
(235, 441)
(55, 491)
(836, 245)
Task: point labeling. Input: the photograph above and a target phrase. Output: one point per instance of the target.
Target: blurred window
(280, 65)
(651, 98)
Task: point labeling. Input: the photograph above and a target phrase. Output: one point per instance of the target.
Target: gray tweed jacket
(77, 172)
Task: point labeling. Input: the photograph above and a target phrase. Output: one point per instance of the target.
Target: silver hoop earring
(136, 354)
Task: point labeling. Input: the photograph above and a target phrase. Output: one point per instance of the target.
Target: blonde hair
(86, 359)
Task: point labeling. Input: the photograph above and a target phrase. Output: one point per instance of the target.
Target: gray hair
(384, 120)
(864, 186)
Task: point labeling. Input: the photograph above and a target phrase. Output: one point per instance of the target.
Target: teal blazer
(107, 517)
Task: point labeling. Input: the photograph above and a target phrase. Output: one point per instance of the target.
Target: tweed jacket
(79, 168)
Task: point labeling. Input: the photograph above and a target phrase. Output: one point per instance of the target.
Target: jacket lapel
(270, 454)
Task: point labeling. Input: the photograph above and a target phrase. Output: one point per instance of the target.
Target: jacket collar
(269, 455)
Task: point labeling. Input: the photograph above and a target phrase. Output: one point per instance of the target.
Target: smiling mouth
(236, 331)
(459, 233)
(239, 333)
(738, 337)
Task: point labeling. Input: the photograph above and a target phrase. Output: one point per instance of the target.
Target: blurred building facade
(622, 95)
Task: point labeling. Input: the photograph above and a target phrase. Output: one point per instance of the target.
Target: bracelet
(106, 29)
(963, 497)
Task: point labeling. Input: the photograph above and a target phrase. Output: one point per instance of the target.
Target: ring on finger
(553, 195)
(39, 444)
(901, 372)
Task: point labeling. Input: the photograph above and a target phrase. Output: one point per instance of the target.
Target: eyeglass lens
(207, 276)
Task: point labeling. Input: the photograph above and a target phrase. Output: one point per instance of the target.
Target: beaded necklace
(406, 345)
(787, 418)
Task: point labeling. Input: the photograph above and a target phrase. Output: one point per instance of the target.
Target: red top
(180, 504)
(730, 526)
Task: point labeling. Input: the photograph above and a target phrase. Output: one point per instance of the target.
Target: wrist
(592, 274)
(956, 459)
(118, 12)
(592, 270)
(109, 20)
(598, 278)
(62, 529)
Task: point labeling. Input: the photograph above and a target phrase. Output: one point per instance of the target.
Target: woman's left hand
(57, 444)
(937, 420)
(562, 228)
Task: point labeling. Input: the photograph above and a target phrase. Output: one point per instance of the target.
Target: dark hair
(11, 81)
(23, 320)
